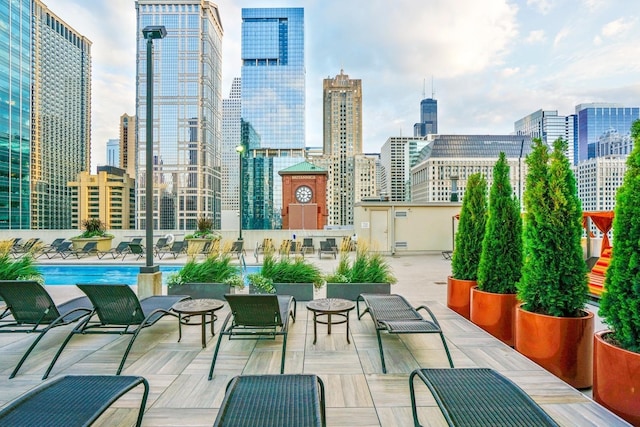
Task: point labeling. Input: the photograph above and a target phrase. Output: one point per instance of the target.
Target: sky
(491, 62)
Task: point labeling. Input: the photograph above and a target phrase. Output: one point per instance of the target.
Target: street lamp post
(150, 33)
(240, 150)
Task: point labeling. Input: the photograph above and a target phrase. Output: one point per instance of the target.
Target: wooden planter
(103, 243)
(616, 379)
(459, 295)
(561, 345)
(202, 290)
(350, 291)
(495, 313)
(300, 291)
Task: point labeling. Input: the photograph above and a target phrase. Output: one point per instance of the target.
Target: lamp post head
(240, 149)
(154, 32)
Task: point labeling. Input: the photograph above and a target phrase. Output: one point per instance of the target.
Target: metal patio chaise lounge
(119, 311)
(30, 309)
(327, 248)
(50, 248)
(478, 397)
(255, 317)
(134, 249)
(176, 249)
(307, 245)
(394, 314)
(237, 248)
(290, 400)
(120, 250)
(72, 400)
(64, 249)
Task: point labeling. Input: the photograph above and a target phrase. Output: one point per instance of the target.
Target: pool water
(127, 274)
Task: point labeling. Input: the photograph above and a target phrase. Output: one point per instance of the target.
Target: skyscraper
(428, 118)
(549, 126)
(187, 112)
(46, 140)
(398, 155)
(113, 153)
(273, 108)
(230, 140)
(128, 144)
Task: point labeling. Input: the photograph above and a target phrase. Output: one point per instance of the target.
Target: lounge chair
(120, 312)
(266, 246)
(89, 248)
(71, 401)
(257, 316)
(307, 246)
(28, 246)
(447, 254)
(237, 248)
(285, 247)
(296, 249)
(33, 311)
(120, 250)
(50, 248)
(177, 248)
(326, 248)
(160, 245)
(273, 401)
(64, 249)
(394, 314)
(478, 397)
(134, 249)
(332, 242)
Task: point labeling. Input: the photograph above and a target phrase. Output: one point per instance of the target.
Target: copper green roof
(303, 167)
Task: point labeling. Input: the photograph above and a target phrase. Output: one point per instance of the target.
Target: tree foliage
(471, 228)
(620, 304)
(501, 258)
(554, 272)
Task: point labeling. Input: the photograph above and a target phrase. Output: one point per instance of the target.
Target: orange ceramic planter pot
(495, 313)
(616, 379)
(459, 295)
(561, 345)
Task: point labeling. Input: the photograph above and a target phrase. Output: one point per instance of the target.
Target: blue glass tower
(428, 118)
(273, 108)
(15, 114)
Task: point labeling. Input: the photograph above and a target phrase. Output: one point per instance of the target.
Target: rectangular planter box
(350, 291)
(202, 290)
(300, 291)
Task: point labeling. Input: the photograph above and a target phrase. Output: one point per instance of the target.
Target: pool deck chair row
(30, 309)
(273, 401)
(478, 397)
(71, 401)
(119, 311)
(256, 317)
(394, 314)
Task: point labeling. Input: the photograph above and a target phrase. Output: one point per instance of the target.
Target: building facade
(444, 165)
(549, 126)
(230, 168)
(45, 141)
(398, 155)
(304, 197)
(272, 108)
(598, 180)
(187, 113)
(108, 195)
(428, 118)
(113, 152)
(128, 148)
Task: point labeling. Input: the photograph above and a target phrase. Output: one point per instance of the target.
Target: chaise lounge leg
(26, 354)
(284, 349)
(384, 366)
(126, 353)
(446, 349)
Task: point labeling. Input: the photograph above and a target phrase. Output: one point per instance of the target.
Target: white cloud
(593, 5)
(510, 71)
(597, 40)
(543, 6)
(536, 36)
(562, 34)
(618, 27)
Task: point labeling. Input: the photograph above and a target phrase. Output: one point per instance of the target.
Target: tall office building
(230, 156)
(549, 126)
(273, 108)
(128, 148)
(187, 113)
(603, 128)
(428, 118)
(398, 155)
(113, 153)
(598, 180)
(46, 139)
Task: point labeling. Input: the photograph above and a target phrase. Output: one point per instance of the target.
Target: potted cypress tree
(616, 372)
(552, 327)
(466, 254)
(493, 301)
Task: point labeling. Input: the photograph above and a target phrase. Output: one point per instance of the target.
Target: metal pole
(240, 195)
(150, 268)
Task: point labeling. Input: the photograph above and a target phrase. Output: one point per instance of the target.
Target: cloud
(510, 71)
(562, 34)
(543, 6)
(618, 27)
(593, 5)
(536, 36)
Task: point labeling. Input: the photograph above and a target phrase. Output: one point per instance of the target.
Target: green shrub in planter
(501, 258)
(471, 229)
(285, 270)
(216, 268)
(554, 272)
(22, 268)
(367, 267)
(620, 303)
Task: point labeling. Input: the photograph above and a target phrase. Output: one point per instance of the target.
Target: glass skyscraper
(428, 118)
(549, 126)
(45, 87)
(273, 108)
(187, 113)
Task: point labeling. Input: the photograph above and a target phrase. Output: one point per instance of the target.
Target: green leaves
(367, 267)
(286, 270)
(21, 269)
(620, 303)
(216, 268)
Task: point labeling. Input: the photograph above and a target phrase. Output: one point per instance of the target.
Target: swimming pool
(127, 274)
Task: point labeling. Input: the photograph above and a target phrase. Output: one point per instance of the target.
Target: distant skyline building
(187, 113)
(273, 108)
(128, 148)
(230, 158)
(428, 118)
(549, 126)
(113, 153)
(598, 180)
(397, 156)
(46, 139)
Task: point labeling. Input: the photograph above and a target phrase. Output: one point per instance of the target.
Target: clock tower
(304, 197)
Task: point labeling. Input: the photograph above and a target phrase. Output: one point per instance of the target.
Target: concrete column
(149, 284)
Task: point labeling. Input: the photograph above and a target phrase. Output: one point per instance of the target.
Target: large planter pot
(103, 243)
(350, 291)
(202, 290)
(300, 291)
(616, 379)
(495, 313)
(459, 295)
(561, 345)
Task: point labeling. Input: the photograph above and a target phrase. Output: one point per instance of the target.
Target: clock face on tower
(303, 194)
